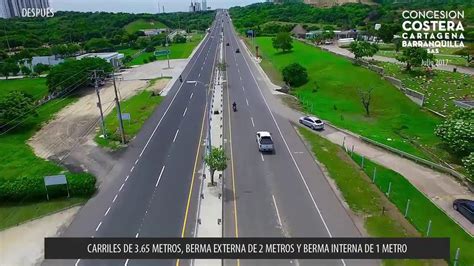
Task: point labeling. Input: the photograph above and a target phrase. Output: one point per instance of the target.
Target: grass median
(380, 217)
(140, 107)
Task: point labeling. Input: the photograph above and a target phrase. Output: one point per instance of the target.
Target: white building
(115, 59)
(13, 8)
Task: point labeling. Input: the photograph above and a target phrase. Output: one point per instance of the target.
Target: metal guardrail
(417, 159)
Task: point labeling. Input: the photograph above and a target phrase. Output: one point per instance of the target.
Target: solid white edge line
(172, 100)
(159, 178)
(277, 212)
(175, 135)
(289, 151)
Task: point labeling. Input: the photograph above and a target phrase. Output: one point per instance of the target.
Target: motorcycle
(234, 107)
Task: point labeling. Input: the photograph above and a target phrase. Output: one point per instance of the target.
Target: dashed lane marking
(159, 178)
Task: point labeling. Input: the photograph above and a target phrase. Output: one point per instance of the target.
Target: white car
(264, 141)
(312, 122)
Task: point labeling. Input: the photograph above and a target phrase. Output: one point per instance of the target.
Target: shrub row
(29, 188)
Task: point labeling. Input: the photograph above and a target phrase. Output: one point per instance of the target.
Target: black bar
(247, 248)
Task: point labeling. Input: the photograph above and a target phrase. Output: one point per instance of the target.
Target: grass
(35, 87)
(142, 24)
(440, 90)
(140, 107)
(421, 210)
(332, 94)
(14, 213)
(361, 196)
(18, 159)
(178, 51)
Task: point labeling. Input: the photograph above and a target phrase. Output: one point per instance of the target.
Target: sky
(139, 6)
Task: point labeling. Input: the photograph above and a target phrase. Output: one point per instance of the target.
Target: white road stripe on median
(175, 135)
(253, 124)
(107, 212)
(277, 212)
(159, 178)
(185, 111)
(98, 226)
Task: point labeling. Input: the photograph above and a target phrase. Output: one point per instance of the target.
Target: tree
(457, 131)
(98, 45)
(75, 73)
(363, 49)
(179, 38)
(9, 68)
(467, 52)
(295, 75)
(468, 163)
(282, 41)
(15, 104)
(40, 68)
(328, 35)
(150, 49)
(25, 70)
(414, 57)
(216, 160)
(398, 44)
(387, 31)
(365, 98)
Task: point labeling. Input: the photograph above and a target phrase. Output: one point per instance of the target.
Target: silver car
(312, 122)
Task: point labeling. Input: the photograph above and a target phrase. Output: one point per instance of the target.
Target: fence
(418, 209)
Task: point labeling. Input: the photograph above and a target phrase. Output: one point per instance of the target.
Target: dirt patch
(291, 102)
(76, 124)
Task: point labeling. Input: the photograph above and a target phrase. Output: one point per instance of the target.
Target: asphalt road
(148, 192)
(283, 194)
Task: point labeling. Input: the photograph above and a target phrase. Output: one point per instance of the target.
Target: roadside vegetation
(379, 216)
(369, 199)
(142, 24)
(140, 107)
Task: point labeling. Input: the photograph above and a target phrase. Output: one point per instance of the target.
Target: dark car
(227, 44)
(465, 207)
(237, 50)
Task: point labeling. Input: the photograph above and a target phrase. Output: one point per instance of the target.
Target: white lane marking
(126, 262)
(126, 178)
(97, 228)
(175, 135)
(277, 212)
(190, 97)
(133, 167)
(247, 101)
(172, 100)
(243, 88)
(185, 111)
(136, 161)
(115, 198)
(107, 212)
(198, 77)
(240, 77)
(159, 178)
(136, 235)
(292, 157)
(77, 262)
(261, 155)
(120, 189)
(253, 124)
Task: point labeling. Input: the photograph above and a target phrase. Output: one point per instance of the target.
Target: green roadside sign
(162, 52)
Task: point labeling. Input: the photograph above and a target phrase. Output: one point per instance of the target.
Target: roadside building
(153, 32)
(115, 59)
(50, 60)
(299, 32)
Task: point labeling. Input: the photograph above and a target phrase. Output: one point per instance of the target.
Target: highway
(151, 190)
(284, 194)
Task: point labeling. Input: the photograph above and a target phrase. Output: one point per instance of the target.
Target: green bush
(28, 188)
(295, 75)
(468, 163)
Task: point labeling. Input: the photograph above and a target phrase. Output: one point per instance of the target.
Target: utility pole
(119, 112)
(99, 104)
